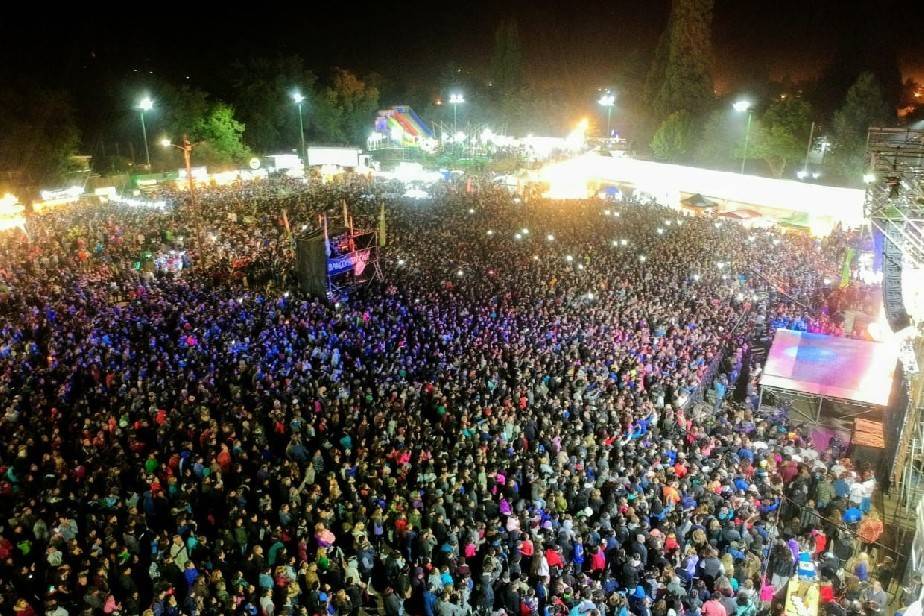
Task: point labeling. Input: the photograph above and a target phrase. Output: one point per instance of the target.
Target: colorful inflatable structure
(399, 126)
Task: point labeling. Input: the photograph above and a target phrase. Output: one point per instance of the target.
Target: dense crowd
(510, 422)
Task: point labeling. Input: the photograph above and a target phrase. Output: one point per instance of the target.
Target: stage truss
(895, 188)
(789, 395)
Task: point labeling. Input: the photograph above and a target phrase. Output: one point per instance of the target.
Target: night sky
(574, 44)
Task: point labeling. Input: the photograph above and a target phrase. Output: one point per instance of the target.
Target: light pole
(298, 97)
(607, 99)
(455, 100)
(146, 104)
(187, 149)
(742, 106)
(808, 150)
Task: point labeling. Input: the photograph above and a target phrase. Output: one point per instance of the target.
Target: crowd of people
(509, 422)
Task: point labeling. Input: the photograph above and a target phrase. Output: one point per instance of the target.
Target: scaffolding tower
(895, 188)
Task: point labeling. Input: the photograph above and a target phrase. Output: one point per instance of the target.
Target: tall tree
(188, 111)
(686, 82)
(673, 141)
(262, 96)
(344, 110)
(39, 135)
(782, 134)
(863, 107)
(222, 135)
(506, 70)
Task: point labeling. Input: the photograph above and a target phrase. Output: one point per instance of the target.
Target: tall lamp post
(299, 98)
(742, 106)
(455, 100)
(145, 104)
(607, 99)
(187, 149)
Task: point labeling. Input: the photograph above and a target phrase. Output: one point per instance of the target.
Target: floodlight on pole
(742, 106)
(145, 104)
(607, 99)
(299, 98)
(455, 99)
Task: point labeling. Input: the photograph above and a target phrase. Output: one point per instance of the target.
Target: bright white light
(589, 295)
(724, 276)
(750, 238)
(165, 142)
(286, 294)
(416, 193)
(614, 243)
(718, 225)
(720, 265)
(569, 258)
(607, 99)
(490, 232)
(624, 242)
(776, 242)
(660, 230)
(802, 174)
(471, 210)
(616, 214)
(550, 237)
(642, 258)
(400, 261)
(580, 266)
(456, 98)
(741, 105)
(518, 236)
(827, 280)
(524, 231)
(535, 257)
(298, 97)
(146, 104)
(606, 212)
(696, 277)
(668, 222)
(459, 137)
(869, 178)
(816, 175)
(460, 273)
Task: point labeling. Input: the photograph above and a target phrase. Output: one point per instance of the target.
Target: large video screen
(857, 370)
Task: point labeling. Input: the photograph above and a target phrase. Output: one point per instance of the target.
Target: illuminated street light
(145, 104)
(455, 100)
(742, 106)
(642, 258)
(299, 98)
(607, 99)
(550, 237)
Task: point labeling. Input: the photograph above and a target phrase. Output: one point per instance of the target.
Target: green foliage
(673, 141)
(723, 133)
(781, 135)
(343, 111)
(863, 108)
(221, 136)
(39, 134)
(262, 96)
(685, 82)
